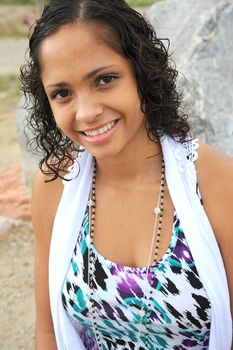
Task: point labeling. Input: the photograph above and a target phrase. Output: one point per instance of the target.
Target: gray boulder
(29, 160)
(201, 33)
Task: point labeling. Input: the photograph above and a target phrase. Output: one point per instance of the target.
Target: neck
(140, 167)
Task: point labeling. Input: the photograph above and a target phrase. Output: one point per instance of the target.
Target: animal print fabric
(179, 318)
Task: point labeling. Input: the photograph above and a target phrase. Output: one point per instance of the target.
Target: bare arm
(215, 176)
(45, 200)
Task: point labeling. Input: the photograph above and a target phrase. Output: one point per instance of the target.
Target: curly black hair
(133, 37)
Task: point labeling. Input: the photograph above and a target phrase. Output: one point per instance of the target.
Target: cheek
(134, 99)
(61, 116)
(136, 109)
(56, 116)
(62, 124)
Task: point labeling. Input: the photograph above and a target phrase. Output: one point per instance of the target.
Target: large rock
(29, 159)
(201, 33)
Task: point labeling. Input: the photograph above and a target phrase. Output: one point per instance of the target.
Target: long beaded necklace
(158, 212)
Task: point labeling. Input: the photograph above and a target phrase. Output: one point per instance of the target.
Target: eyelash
(57, 92)
(110, 77)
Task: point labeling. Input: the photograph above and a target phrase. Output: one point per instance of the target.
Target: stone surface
(29, 160)
(201, 34)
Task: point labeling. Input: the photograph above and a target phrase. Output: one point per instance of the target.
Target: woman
(134, 259)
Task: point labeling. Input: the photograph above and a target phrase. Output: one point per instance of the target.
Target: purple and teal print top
(179, 316)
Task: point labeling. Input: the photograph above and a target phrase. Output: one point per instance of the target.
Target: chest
(125, 222)
(175, 302)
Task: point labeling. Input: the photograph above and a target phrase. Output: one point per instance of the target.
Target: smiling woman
(122, 234)
(156, 87)
(86, 99)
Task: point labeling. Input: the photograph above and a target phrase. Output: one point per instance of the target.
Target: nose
(88, 107)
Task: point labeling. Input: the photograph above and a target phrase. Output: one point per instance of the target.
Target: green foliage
(136, 3)
(141, 3)
(17, 2)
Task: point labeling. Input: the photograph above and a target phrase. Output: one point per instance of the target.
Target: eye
(60, 94)
(106, 79)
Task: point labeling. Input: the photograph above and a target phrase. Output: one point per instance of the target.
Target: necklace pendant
(142, 313)
(157, 211)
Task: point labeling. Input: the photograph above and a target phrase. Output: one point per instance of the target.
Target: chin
(104, 154)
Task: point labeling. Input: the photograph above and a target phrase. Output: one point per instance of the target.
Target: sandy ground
(16, 236)
(17, 299)
(16, 255)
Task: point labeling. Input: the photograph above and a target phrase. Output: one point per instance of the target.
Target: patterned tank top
(178, 319)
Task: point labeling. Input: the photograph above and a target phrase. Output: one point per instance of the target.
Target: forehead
(77, 44)
(72, 35)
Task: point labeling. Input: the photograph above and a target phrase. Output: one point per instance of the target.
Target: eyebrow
(95, 71)
(86, 76)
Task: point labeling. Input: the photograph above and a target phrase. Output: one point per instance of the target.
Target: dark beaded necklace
(158, 211)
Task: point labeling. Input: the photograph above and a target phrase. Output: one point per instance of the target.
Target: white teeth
(100, 131)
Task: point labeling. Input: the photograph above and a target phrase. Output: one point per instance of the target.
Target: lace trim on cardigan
(190, 148)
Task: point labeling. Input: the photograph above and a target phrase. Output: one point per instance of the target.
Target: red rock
(14, 197)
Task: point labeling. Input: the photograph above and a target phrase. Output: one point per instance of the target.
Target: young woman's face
(92, 91)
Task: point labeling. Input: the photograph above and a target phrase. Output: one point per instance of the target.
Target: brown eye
(60, 94)
(104, 80)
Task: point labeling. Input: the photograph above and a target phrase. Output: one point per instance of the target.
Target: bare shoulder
(46, 196)
(215, 177)
(45, 200)
(210, 159)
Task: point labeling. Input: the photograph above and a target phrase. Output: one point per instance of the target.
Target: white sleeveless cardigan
(181, 180)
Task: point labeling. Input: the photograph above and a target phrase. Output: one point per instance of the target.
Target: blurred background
(16, 235)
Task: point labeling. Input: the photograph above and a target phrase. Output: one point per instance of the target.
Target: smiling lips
(100, 131)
